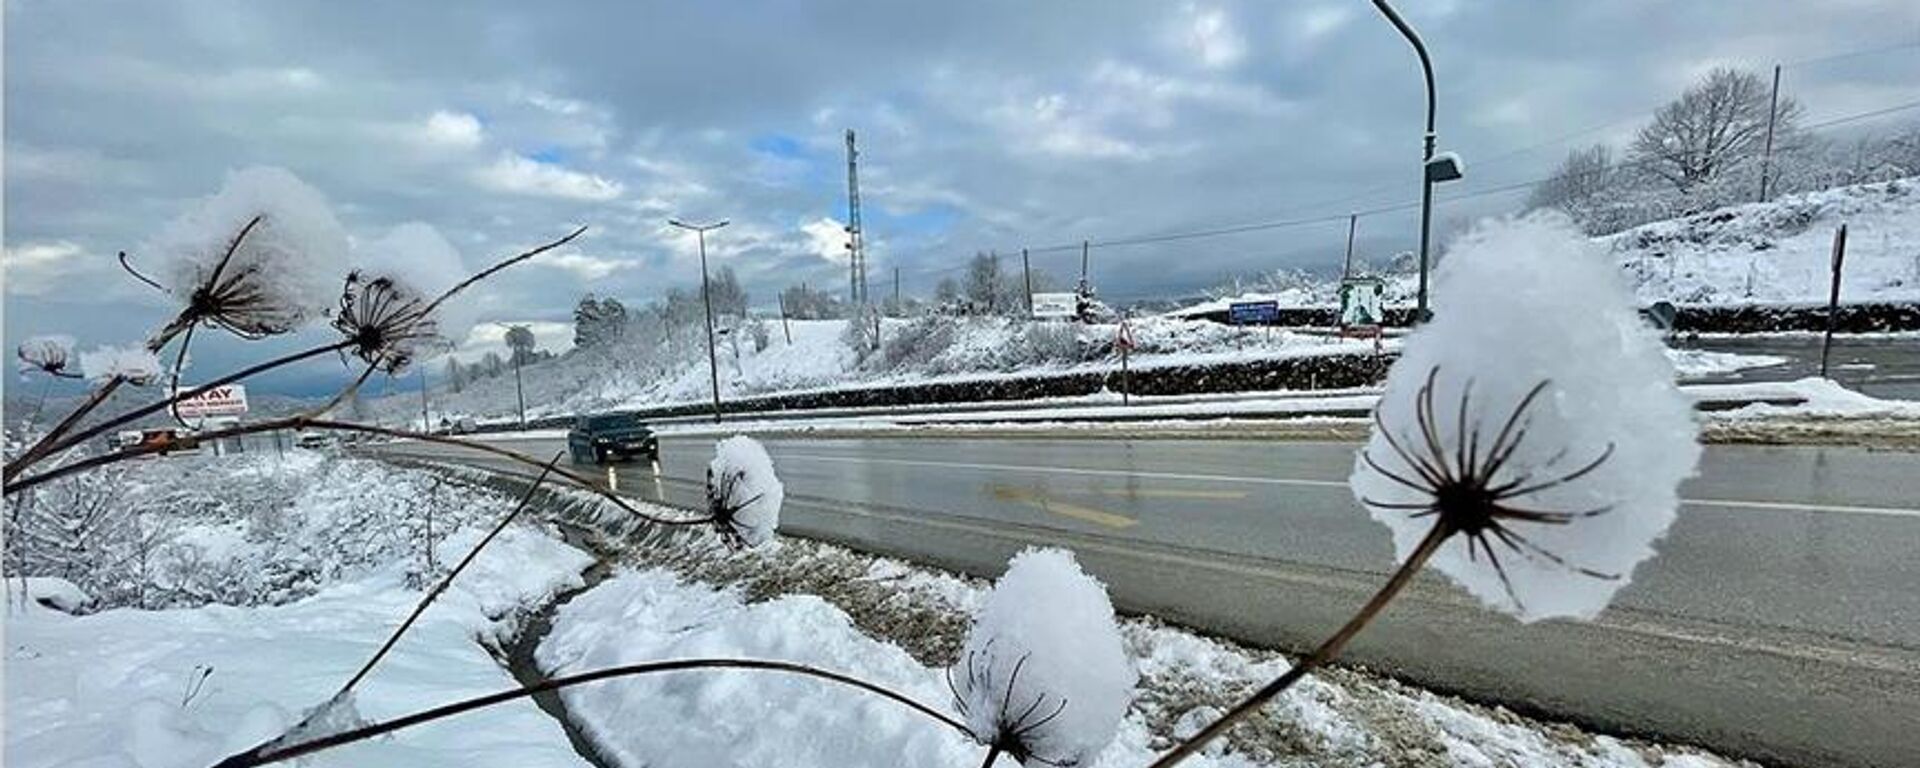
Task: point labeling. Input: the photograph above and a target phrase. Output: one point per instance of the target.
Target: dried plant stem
(304, 422)
(993, 753)
(632, 670)
(170, 402)
(434, 593)
(1325, 653)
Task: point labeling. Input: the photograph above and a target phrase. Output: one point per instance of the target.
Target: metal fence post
(1833, 296)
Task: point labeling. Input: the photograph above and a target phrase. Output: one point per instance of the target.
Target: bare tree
(1584, 174)
(1715, 127)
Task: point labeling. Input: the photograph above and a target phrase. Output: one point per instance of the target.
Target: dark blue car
(610, 437)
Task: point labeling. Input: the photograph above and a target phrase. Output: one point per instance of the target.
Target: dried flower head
(52, 355)
(1535, 421)
(743, 493)
(1044, 676)
(389, 323)
(135, 364)
(257, 259)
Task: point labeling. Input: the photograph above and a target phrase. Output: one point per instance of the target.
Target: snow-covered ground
(184, 686)
(187, 686)
(901, 626)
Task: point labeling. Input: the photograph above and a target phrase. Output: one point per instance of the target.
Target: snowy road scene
(1344, 384)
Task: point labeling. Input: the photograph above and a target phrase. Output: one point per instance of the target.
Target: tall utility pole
(1084, 247)
(425, 425)
(1353, 220)
(896, 289)
(856, 245)
(1766, 157)
(706, 297)
(1026, 273)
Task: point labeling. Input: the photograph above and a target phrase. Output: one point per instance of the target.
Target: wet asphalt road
(1781, 620)
(1881, 367)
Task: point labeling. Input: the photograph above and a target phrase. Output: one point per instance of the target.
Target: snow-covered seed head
(48, 354)
(134, 364)
(388, 322)
(1535, 421)
(258, 259)
(1044, 676)
(743, 493)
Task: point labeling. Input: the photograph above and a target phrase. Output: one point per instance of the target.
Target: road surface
(1879, 366)
(1781, 620)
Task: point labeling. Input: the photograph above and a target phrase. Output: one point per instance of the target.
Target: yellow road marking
(1169, 493)
(1076, 511)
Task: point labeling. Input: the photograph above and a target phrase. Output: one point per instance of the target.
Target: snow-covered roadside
(119, 687)
(310, 563)
(900, 625)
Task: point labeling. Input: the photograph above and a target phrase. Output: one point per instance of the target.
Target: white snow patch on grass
(117, 687)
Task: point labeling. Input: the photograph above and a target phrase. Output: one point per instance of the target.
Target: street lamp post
(706, 297)
(1444, 168)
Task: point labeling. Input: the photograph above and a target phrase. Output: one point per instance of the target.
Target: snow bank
(120, 687)
(1525, 303)
(1043, 672)
(743, 493)
(55, 593)
(700, 719)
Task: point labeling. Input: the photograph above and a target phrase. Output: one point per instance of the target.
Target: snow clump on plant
(743, 493)
(135, 364)
(1537, 416)
(261, 257)
(48, 354)
(1044, 676)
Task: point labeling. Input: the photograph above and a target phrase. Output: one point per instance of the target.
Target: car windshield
(612, 422)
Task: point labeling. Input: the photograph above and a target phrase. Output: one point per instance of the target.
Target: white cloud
(1212, 36)
(1053, 126)
(526, 176)
(580, 264)
(37, 269)
(826, 238)
(454, 130)
(1317, 23)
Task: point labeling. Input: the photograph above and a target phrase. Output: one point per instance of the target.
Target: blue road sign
(1253, 312)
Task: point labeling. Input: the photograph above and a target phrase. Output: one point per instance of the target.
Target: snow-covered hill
(1775, 252)
(1779, 252)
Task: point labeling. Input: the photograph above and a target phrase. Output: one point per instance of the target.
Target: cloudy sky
(985, 125)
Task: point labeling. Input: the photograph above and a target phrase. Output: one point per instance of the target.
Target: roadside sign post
(1833, 295)
(1360, 311)
(1253, 312)
(1055, 306)
(1123, 338)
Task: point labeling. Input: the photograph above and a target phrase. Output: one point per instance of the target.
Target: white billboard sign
(227, 400)
(1055, 306)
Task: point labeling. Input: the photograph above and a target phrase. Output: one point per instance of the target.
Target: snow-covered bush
(1044, 675)
(288, 254)
(743, 493)
(1537, 418)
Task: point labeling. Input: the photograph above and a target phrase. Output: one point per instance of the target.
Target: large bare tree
(1715, 127)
